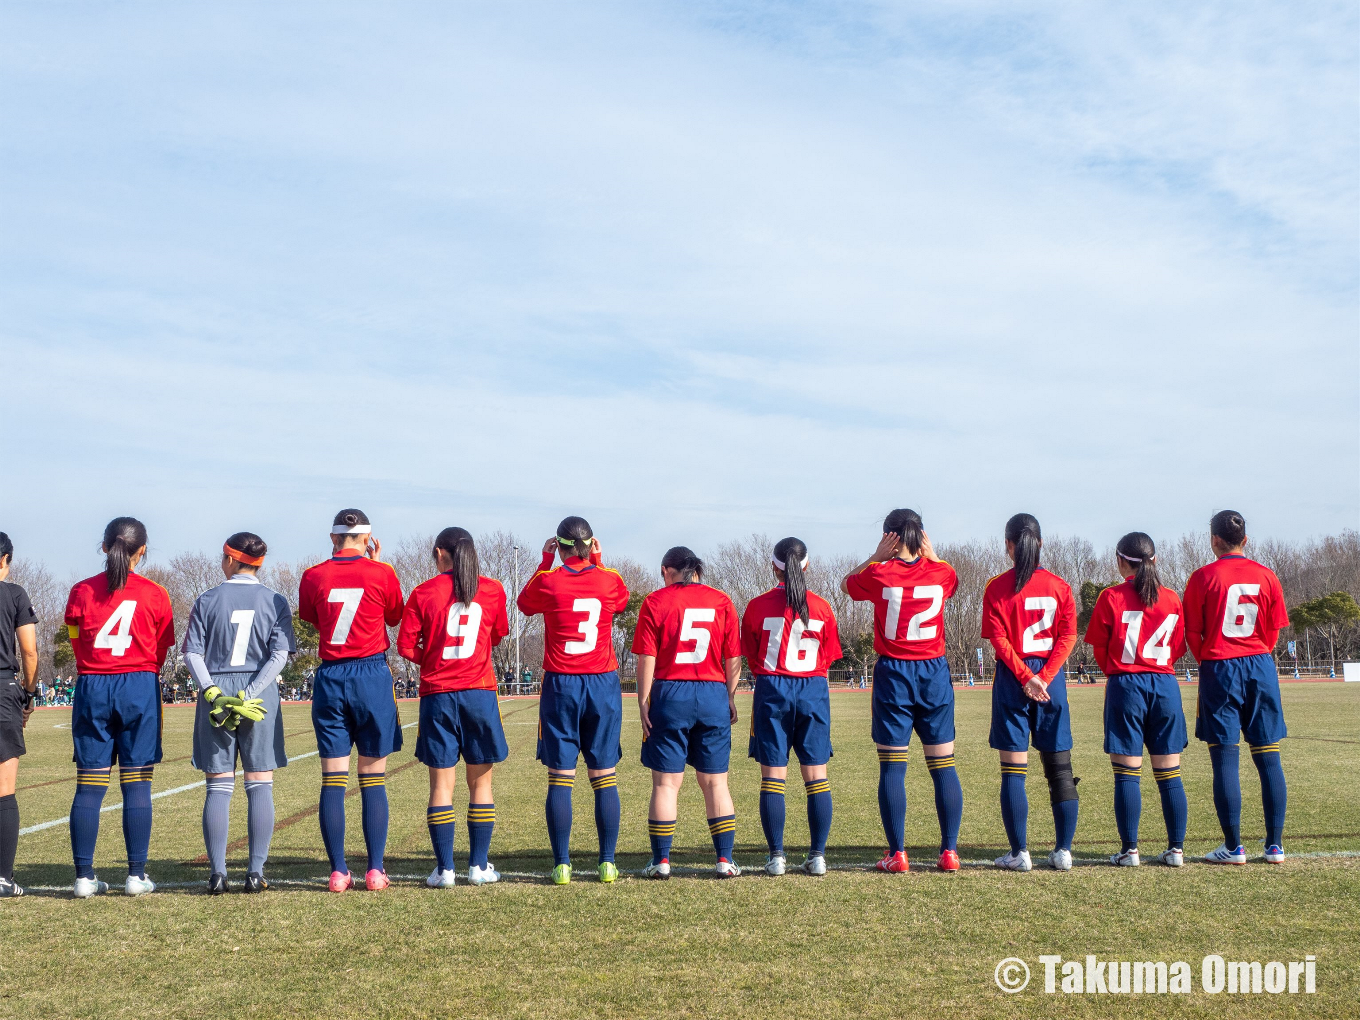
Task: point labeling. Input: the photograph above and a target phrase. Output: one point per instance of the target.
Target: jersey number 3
(589, 627)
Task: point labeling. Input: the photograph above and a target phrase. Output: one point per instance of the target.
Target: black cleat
(217, 885)
(254, 883)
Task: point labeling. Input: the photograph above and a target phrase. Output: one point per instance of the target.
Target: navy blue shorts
(912, 694)
(117, 718)
(1239, 696)
(580, 714)
(691, 725)
(354, 704)
(791, 710)
(1144, 708)
(460, 723)
(1016, 719)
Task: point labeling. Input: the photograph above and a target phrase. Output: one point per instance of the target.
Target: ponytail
(790, 556)
(459, 545)
(1140, 552)
(679, 558)
(574, 536)
(1022, 531)
(123, 537)
(906, 525)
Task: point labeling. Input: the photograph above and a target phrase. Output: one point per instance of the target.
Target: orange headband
(240, 557)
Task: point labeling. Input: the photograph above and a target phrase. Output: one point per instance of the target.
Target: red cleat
(894, 862)
(949, 860)
(341, 880)
(376, 880)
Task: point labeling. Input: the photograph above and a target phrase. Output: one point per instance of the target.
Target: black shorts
(11, 718)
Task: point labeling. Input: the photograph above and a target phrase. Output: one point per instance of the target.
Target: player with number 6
(907, 584)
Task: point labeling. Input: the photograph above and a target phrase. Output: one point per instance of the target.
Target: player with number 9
(1137, 632)
(907, 584)
(449, 626)
(121, 626)
(580, 711)
(351, 599)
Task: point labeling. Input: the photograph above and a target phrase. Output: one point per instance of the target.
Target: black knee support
(1062, 785)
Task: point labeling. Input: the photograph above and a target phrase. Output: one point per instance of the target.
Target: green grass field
(854, 943)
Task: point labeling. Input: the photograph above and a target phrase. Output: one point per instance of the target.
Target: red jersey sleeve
(831, 639)
(412, 629)
(1098, 632)
(531, 601)
(620, 602)
(731, 636)
(646, 632)
(393, 606)
(307, 597)
(1192, 606)
(863, 587)
(500, 626)
(165, 637)
(1064, 637)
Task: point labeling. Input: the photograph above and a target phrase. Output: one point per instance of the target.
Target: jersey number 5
(701, 636)
(116, 634)
(589, 627)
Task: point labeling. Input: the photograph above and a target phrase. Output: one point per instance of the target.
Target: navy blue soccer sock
(892, 797)
(819, 815)
(136, 784)
(607, 811)
(772, 813)
(948, 799)
(373, 794)
(1064, 824)
(481, 821)
(440, 820)
(661, 835)
(1014, 804)
(724, 833)
(1273, 791)
(1128, 804)
(1174, 807)
(1227, 792)
(558, 811)
(91, 785)
(331, 815)
(9, 835)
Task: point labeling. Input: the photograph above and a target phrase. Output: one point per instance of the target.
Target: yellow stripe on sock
(818, 786)
(717, 828)
(940, 763)
(603, 782)
(1266, 749)
(567, 781)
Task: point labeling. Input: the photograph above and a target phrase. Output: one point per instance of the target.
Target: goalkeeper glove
(249, 708)
(222, 704)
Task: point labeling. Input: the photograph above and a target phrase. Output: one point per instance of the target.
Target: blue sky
(692, 270)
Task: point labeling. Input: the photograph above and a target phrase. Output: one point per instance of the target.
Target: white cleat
(1274, 854)
(1126, 859)
(1225, 856)
(9, 889)
(1171, 857)
(483, 876)
(87, 887)
(815, 865)
(775, 864)
(657, 869)
(440, 879)
(1015, 861)
(726, 869)
(1060, 860)
(135, 886)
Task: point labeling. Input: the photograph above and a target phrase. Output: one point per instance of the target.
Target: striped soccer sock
(216, 818)
(1015, 804)
(948, 799)
(1266, 758)
(819, 815)
(607, 812)
(136, 785)
(1225, 760)
(1174, 807)
(440, 819)
(772, 813)
(724, 833)
(373, 794)
(558, 811)
(259, 822)
(892, 797)
(91, 785)
(661, 834)
(331, 815)
(481, 821)
(1128, 804)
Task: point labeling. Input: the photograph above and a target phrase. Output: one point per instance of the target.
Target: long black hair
(574, 534)
(682, 559)
(459, 545)
(792, 552)
(1022, 531)
(6, 547)
(906, 524)
(1139, 551)
(1229, 527)
(123, 537)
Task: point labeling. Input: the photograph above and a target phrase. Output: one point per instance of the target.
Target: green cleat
(561, 874)
(608, 872)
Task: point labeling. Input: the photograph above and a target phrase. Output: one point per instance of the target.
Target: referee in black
(18, 638)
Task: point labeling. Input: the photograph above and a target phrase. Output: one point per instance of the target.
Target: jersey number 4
(1158, 647)
(915, 632)
(116, 634)
(801, 655)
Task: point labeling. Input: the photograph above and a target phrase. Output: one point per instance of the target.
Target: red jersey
(1038, 622)
(126, 632)
(578, 601)
(1128, 637)
(351, 600)
(449, 641)
(692, 631)
(908, 603)
(776, 642)
(1233, 607)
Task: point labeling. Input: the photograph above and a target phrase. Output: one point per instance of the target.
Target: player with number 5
(448, 629)
(907, 585)
(1234, 612)
(352, 599)
(121, 625)
(581, 708)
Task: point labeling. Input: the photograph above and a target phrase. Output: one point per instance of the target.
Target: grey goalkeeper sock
(216, 813)
(260, 821)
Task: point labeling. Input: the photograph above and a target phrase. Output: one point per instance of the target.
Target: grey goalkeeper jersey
(238, 627)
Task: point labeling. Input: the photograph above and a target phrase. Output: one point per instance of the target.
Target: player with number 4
(907, 585)
(580, 711)
(351, 599)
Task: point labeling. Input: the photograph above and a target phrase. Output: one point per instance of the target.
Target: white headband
(352, 529)
(780, 563)
(1133, 559)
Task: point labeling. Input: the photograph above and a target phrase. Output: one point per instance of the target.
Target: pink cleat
(341, 880)
(376, 880)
